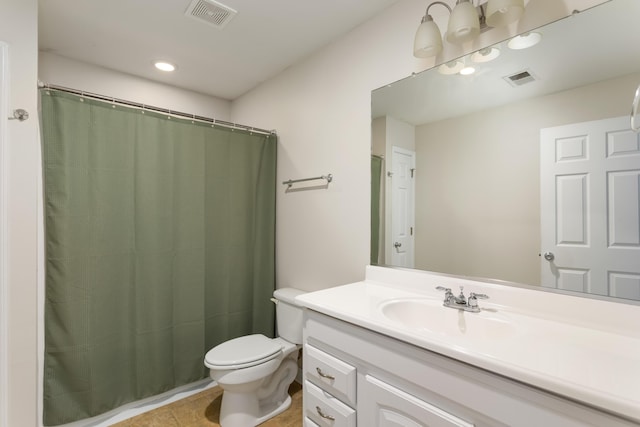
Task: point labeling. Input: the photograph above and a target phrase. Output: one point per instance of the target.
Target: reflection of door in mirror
(402, 207)
(393, 140)
(590, 208)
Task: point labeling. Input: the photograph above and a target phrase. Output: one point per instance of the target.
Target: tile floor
(203, 410)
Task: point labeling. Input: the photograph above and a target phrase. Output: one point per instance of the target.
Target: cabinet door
(383, 405)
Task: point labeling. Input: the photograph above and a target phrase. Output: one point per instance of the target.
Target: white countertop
(587, 350)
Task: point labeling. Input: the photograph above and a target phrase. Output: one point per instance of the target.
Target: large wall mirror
(526, 171)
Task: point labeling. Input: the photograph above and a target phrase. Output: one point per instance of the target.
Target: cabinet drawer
(309, 423)
(326, 410)
(330, 373)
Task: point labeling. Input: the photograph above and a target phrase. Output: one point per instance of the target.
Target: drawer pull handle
(323, 415)
(323, 375)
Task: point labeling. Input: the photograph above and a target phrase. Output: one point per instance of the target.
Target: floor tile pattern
(203, 410)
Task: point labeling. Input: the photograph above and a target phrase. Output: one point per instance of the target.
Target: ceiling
(591, 46)
(260, 41)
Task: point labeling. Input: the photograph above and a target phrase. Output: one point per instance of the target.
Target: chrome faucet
(460, 302)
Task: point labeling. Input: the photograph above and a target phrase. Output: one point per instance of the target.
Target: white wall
(18, 28)
(485, 220)
(61, 71)
(321, 109)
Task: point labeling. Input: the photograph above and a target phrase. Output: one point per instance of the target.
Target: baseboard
(138, 407)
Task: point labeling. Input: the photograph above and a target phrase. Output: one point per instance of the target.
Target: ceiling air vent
(211, 12)
(520, 78)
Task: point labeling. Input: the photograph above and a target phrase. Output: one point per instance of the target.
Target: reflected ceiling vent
(520, 78)
(211, 12)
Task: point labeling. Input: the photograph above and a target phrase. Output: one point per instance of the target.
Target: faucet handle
(473, 301)
(448, 295)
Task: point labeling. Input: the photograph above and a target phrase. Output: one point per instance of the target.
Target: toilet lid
(243, 352)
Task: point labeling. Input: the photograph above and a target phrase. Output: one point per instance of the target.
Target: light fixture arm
(481, 8)
(483, 17)
(433, 4)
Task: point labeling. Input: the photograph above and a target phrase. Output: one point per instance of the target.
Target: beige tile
(203, 410)
(292, 417)
(156, 418)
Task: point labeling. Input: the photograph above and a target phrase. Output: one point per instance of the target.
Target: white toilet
(254, 371)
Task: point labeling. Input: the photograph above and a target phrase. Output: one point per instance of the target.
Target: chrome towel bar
(290, 182)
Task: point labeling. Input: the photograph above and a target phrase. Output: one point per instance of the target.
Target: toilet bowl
(255, 371)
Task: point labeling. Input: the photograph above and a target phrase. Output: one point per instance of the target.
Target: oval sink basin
(430, 315)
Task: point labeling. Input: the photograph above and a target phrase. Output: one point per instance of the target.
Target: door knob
(397, 245)
(549, 256)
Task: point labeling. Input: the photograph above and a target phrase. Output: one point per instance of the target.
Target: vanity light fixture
(428, 40)
(485, 55)
(524, 41)
(164, 66)
(501, 13)
(465, 23)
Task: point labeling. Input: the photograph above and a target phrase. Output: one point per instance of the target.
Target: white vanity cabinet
(354, 376)
(329, 389)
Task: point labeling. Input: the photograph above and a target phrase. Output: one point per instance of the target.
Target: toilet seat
(243, 352)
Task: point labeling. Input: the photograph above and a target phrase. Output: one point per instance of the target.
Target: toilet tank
(288, 314)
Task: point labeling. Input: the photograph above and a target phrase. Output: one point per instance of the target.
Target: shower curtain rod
(146, 107)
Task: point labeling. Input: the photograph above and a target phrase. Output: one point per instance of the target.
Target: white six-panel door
(590, 208)
(401, 244)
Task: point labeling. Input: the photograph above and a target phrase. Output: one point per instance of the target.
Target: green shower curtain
(376, 173)
(159, 245)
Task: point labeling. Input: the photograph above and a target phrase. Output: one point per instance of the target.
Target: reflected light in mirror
(524, 41)
(468, 70)
(485, 55)
(452, 67)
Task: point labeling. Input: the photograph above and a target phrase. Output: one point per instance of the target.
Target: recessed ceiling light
(452, 67)
(524, 41)
(164, 66)
(468, 70)
(486, 54)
